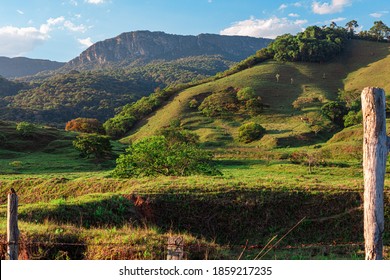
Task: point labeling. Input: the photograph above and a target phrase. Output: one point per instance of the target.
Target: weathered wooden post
(175, 248)
(12, 226)
(375, 150)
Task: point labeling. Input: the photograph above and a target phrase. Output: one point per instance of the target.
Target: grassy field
(72, 208)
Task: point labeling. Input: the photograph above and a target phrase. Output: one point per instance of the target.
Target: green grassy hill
(313, 85)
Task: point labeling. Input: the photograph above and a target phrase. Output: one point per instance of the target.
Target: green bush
(220, 104)
(155, 156)
(245, 94)
(353, 118)
(250, 132)
(96, 145)
(25, 129)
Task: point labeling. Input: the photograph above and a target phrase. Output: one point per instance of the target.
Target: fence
(376, 145)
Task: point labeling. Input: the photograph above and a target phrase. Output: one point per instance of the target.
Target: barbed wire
(249, 247)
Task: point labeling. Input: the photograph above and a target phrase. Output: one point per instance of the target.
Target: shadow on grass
(106, 212)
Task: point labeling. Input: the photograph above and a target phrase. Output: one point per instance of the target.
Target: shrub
(245, 94)
(25, 129)
(220, 104)
(250, 132)
(155, 156)
(96, 145)
(353, 118)
(119, 125)
(335, 111)
(85, 125)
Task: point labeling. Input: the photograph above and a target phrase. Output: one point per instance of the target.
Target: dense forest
(97, 94)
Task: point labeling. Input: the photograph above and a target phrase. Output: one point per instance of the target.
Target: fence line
(249, 247)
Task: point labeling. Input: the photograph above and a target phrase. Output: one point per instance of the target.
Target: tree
(379, 30)
(335, 111)
(351, 26)
(154, 156)
(250, 132)
(95, 145)
(85, 125)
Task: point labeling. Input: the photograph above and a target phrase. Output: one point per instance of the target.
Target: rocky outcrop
(141, 47)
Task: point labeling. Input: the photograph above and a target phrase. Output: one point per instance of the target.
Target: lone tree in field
(95, 145)
(175, 152)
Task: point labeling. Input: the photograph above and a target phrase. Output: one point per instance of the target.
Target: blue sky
(61, 30)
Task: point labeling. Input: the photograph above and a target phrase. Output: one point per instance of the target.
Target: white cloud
(293, 15)
(335, 6)
(282, 7)
(96, 2)
(379, 14)
(20, 12)
(17, 41)
(47, 27)
(336, 19)
(75, 28)
(87, 42)
(297, 4)
(268, 28)
(74, 3)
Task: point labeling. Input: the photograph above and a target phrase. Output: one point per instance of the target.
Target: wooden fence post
(12, 226)
(175, 248)
(375, 150)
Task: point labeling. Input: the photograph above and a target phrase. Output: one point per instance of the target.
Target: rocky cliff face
(141, 47)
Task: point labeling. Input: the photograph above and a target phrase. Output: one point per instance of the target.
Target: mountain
(142, 47)
(118, 71)
(23, 66)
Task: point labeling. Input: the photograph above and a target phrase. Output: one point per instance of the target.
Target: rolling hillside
(313, 85)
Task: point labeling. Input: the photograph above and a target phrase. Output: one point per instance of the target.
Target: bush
(220, 104)
(155, 156)
(353, 118)
(250, 132)
(85, 125)
(96, 145)
(335, 111)
(245, 94)
(25, 129)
